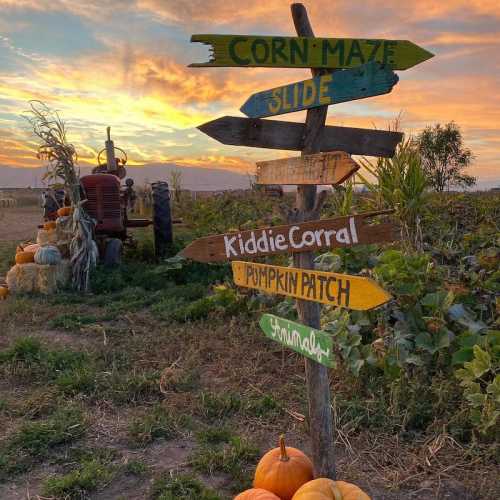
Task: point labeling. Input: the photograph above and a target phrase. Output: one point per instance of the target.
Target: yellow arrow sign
(352, 292)
(303, 52)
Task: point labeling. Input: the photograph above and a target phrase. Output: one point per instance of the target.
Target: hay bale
(45, 237)
(46, 282)
(11, 278)
(26, 277)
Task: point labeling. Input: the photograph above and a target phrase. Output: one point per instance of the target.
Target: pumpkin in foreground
(4, 291)
(256, 494)
(283, 471)
(326, 489)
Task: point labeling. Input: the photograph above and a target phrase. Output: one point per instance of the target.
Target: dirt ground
(19, 223)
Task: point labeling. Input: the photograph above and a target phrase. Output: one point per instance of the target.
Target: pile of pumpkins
(286, 473)
(44, 252)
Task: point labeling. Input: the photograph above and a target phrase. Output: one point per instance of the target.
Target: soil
(20, 223)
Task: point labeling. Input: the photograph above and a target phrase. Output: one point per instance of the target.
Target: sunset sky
(123, 63)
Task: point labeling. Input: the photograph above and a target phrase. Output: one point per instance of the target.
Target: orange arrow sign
(320, 168)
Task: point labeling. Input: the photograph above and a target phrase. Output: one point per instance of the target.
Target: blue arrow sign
(368, 80)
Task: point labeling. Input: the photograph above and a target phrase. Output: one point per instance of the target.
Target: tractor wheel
(162, 219)
(113, 252)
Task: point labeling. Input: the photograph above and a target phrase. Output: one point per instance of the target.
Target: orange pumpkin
(25, 257)
(283, 470)
(50, 226)
(4, 291)
(33, 247)
(256, 494)
(64, 211)
(326, 489)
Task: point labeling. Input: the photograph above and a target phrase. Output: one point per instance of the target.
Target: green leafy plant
(480, 379)
(400, 183)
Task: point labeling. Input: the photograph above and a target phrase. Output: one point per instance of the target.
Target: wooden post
(318, 386)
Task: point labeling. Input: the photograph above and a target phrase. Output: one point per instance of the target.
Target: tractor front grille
(103, 201)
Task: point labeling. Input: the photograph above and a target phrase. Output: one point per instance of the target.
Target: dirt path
(20, 223)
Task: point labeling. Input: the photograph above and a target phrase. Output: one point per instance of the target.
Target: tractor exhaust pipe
(110, 152)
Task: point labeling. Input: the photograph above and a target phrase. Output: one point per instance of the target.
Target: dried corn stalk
(61, 156)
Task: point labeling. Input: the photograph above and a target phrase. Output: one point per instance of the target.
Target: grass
(37, 440)
(157, 423)
(28, 356)
(227, 454)
(214, 406)
(72, 321)
(94, 470)
(7, 252)
(181, 487)
(136, 468)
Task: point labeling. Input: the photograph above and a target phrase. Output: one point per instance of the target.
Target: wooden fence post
(318, 385)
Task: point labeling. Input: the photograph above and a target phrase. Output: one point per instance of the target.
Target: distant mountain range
(196, 179)
(193, 178)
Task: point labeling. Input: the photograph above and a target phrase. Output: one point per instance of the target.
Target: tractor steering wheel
(123, 160)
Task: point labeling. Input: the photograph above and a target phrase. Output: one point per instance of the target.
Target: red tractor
(108, 202)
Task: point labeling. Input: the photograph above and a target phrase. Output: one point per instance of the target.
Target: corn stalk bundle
(61, 157)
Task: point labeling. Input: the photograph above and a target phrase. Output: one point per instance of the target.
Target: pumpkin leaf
(476, 399)
(462, 356)
(494, 389)
(481, 362)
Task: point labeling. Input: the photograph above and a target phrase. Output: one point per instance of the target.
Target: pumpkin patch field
(160, 384)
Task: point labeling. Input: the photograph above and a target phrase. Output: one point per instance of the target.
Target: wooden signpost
(368, 66)
(321, 235)
(368, 80)
(275, 134)
(321, 168)
(308, 52)
(343, 290)
(311, 343)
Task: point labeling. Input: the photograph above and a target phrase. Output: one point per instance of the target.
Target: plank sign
(308, 341)
(344, 290)
(303, 52)
(321, 168)
(276, 134)
(368, 80)
(302, 237)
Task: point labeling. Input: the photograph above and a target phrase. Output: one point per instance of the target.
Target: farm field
(161, 385)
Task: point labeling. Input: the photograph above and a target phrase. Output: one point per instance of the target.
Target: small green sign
(309, 342)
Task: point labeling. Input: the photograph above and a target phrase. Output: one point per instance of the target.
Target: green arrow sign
(309, 342)
(302, 52)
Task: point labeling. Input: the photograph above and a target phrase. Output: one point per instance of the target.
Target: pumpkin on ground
(4, 291)
(25, 257)
(256, 494)
(326, 489)
(64, 211)
(283, 471)
(50, 226)
(48, 254)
